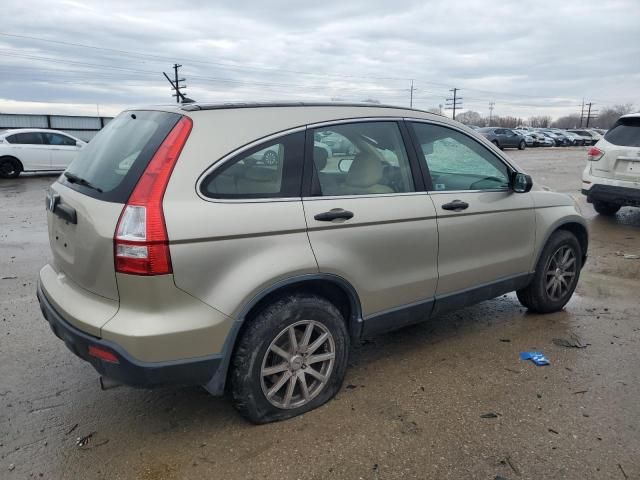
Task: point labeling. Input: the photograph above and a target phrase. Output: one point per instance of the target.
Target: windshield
(111, 164)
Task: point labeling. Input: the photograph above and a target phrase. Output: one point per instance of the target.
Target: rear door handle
(456, 206)
(333, 214)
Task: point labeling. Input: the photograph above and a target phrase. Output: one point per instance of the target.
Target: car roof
(631, 115)
(29, 130)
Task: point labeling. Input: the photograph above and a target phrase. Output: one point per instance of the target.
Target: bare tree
(607, 116)
(470, 118)
(541, 121)
(568, 121)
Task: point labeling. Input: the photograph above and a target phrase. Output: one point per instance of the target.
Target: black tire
(9, 167)
(246, 381)
(522, 145)
(495, 142)
(535, 296)
(606, 208)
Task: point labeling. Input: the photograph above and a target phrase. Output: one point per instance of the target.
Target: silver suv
(184, 253)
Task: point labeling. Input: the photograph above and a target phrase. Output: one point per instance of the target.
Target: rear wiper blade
(73, 178)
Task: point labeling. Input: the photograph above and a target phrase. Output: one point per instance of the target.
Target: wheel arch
(11, 157)
(332, 287)
(576, 228)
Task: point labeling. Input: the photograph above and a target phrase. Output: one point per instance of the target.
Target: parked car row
(538, 137)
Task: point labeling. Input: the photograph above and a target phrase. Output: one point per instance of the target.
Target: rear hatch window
(109, 167)
(625, 133)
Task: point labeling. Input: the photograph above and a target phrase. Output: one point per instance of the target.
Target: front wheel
(606, 208)
(292, 358)
(556, 276)
(9, 167)
(522, 145)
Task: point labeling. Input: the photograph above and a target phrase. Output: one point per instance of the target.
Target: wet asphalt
(448, 398)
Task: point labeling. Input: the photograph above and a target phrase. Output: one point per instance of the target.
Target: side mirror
(521, 182)
(345, 164)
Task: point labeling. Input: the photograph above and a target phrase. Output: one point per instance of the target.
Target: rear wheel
(606, 208)
(522, 145)
(9, 167)
(292, 358)
(556, 274)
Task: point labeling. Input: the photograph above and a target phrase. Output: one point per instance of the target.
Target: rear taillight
(594, 154)
(141, 243)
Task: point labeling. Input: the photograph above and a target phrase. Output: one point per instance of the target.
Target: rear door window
(365, 158)
(113, 162)
(625, 133)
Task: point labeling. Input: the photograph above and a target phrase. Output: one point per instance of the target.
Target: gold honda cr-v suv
(244, 247)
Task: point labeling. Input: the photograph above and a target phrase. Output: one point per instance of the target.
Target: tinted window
(626, 133)
(57, 139)
(360, 159)
(458, 162)
(27, 138)
(270, 170)
(116, 157)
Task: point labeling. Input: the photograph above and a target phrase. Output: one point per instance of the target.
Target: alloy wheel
(297, 364)
(560, 272)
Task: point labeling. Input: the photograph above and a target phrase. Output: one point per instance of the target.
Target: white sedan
(36, 150)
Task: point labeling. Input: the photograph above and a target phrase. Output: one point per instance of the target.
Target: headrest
(366, 170)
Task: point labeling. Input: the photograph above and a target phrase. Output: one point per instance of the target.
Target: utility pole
(411, 89)
(177, 84)
(455, 102)
(591, 114)
(491, 104)
(582, 112)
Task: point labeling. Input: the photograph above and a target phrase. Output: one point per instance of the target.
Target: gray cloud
(529, 58)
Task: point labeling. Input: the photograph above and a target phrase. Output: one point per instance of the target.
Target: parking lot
(448, 398)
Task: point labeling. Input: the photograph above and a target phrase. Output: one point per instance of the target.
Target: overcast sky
(530, 58)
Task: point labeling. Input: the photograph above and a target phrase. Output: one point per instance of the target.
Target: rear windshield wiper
(73, 178)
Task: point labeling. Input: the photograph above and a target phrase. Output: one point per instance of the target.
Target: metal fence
(84, 128)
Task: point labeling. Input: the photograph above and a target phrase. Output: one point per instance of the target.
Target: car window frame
(247, 150)
(311, 181)
(511, 169)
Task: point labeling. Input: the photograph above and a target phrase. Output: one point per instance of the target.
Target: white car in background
(36, 150)
(611, 178)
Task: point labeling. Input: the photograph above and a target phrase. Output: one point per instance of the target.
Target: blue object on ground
(536, 357)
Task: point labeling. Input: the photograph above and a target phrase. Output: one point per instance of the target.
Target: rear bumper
(128, 370)
(609, 190)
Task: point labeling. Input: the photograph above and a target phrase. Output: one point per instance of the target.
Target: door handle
(456, 206)
(333, 214)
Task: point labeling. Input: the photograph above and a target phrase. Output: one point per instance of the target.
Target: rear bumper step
(125, 369)
(611, 194)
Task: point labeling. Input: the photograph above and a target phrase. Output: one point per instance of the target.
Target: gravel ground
(445, 399)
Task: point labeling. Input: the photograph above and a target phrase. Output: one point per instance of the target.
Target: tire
(606, 208)
(271, 328)
(495, 142)
(522, 145)
(9, 167)
(538, 296)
